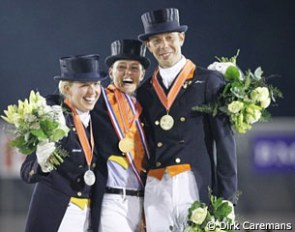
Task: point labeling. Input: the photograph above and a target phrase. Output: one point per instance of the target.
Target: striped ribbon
(120, 132)
(138, 124)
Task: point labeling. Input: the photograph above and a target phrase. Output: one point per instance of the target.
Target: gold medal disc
(166, 122)
(126, 145)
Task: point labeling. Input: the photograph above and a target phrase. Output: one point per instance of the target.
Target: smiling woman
(126, 75)
(82, 95)
(119, 135)
(64, 192)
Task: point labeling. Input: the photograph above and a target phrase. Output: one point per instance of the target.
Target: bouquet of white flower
(217, 216)
(35, 123)
(245, 96)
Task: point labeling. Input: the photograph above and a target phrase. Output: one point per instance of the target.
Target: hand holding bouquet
(36, 124)
(245, 96)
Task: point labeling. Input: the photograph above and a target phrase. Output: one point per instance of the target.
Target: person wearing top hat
(120, 139)
(61, 197)
(183, 163)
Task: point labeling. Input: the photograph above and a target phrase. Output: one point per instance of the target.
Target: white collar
(169, 74)
(84, 117)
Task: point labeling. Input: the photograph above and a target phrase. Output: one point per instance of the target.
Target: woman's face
(127, 75)
(83, 95)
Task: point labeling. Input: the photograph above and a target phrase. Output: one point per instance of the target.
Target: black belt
(137, 193)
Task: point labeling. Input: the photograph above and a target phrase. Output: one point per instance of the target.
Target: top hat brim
(79, 78)
(144, 37)
(112, 59)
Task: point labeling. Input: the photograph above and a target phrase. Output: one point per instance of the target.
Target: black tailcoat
(53, 190)
(191, 140)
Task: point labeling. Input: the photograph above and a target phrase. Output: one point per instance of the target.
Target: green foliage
(34, 122)
(231, 60)
(244, 98)
(202, 217)
(25, 147)
(232, 73)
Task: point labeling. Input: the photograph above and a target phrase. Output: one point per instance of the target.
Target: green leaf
(18, 141)
(232, 73)
(39, 134)
(27, 150)
(275, 92)
(265, 116)
(57, 135)
(222, 211)
(247, 81)
(22, 145)
(48, 126)
(232, 59)
(223, 109)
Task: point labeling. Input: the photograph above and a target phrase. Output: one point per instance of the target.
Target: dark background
(34, 34)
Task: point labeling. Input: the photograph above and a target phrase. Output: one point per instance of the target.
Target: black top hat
(82, 68)
(161, 21)
(128, 49)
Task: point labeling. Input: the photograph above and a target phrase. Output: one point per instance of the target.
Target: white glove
(43, 152)
(220, 66)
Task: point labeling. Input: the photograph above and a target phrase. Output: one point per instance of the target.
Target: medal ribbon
(87, 149)
(120, 134)
(138, 124)
(127, 123)
(168, 100)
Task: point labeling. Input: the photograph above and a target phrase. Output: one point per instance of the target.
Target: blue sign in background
(274, 152)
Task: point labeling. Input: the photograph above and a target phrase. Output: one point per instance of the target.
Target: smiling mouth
(127, 81)
(164, 55)
(89, 100)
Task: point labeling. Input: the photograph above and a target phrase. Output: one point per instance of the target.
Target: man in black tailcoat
(190, 151)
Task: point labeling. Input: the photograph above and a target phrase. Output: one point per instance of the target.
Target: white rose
(264, 104)
(198, 215)
(235, 107)
(253, 117)
(260, 94)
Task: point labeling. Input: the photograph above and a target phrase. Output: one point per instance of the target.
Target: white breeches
(75, 219)
(121, 213)
(166, 201)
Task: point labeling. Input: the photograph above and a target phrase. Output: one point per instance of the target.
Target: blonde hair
(62, 85)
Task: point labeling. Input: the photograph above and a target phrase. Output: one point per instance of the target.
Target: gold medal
(126, 145)
(166, 122)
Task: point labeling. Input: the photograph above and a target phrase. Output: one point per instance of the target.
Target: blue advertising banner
(274, 152)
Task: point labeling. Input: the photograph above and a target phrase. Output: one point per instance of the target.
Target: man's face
(127, 75)
(166, 48)
(83, 95)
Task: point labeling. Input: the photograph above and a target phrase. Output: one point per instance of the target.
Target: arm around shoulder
(226, 157)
